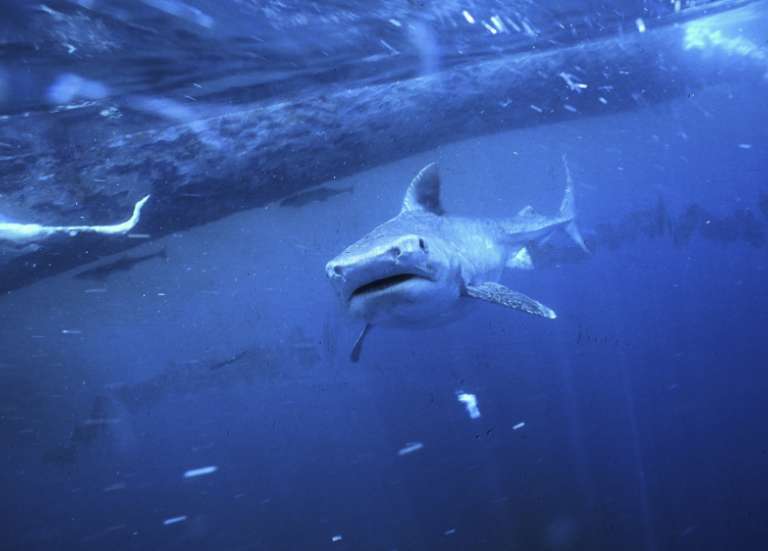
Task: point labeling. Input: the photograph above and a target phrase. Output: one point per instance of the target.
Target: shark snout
(407, 254)
(402, 251)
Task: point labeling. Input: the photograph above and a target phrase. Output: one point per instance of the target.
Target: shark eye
(422, 244)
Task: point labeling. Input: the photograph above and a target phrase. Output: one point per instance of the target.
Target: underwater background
(195, 391)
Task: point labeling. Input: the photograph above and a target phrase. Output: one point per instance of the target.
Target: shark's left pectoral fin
(358, 347)
(498, 294)
(520, 260)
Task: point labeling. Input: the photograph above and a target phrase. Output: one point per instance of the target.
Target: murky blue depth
(195, 391)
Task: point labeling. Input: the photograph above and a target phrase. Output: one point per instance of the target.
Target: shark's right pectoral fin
(358, 347)
(498, 294)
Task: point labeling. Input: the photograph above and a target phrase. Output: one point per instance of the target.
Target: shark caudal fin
(568, 209)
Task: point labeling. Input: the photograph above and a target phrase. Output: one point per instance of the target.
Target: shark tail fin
(568, 209)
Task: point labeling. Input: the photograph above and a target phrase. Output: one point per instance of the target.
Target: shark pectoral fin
(498, 294)
(357, 348)
(521, 260)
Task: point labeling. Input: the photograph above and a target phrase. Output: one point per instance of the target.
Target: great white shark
(420, 267)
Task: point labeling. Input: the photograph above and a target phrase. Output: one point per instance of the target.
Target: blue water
(634, 421)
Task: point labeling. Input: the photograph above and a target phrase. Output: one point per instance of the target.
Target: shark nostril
(337, 269)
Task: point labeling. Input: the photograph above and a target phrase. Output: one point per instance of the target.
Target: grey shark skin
(419, 267)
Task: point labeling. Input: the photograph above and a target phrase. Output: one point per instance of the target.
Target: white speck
(96, 290)
(677, 6)
(395, 22)
(114, 487)
(490, 29)
(410, 447)
(48, 10)
(640, 24)
(745, 145)
(498, 23)
(161, 294)
(468, 17)
(537, 108)
(71, 332)
(110, 112)
(470, 401)
(570, 108)
(336, 538)
(70, 48)
(174, 520)
(520, 425)
(602, 100)
(528, 29)
(201, 471)
(449, 532)
(388, 47)
(572, 83)
(138, 236)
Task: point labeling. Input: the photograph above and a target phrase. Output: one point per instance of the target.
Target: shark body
(418, 268)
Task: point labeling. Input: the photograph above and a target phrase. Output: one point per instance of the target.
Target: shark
(424, 267)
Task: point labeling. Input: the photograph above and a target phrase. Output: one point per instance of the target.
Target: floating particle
(192, 473)
(537, 108)
(602, 100)
(410, 447)
(449, 532)
(520, 425)
(528, 29)
(498, 23)
(640, 24)
(174, 520)
(745, 146)
(71, 332)
(570, 108)
(138, 236)
(115, 487)
(468, 17)
(572, 83)
(337, 537)
(470, 401)
(490, 29)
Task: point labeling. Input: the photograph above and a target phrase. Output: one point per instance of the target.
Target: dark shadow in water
(739, 226)
(321, 195)
(254, 365)
(122, 264)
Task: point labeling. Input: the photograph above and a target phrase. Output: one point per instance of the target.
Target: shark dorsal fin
(424, 192)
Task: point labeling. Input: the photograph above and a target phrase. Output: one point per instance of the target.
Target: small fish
(320, 194)
(122, 264)
(228, 361)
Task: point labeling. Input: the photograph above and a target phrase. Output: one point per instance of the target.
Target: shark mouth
(383, 283)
